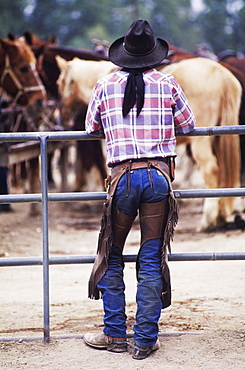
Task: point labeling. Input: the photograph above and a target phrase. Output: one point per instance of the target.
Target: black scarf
(134, 91)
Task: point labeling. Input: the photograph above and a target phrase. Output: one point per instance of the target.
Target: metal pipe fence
(44, 198)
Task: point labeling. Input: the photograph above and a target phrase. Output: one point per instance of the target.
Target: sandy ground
(203, 329)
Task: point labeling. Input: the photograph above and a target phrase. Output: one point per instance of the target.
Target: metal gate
(44, 198)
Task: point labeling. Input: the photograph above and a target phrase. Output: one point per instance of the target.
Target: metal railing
(45, 198)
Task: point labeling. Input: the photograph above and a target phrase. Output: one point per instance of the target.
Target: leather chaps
(157, 220)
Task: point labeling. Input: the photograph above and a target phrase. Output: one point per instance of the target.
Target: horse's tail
(228, 148)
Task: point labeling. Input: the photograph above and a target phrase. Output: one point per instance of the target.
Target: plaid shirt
(152, 133)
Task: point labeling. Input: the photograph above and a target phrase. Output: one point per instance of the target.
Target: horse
(46, 52)
(19, 78)
(73, 108)
(71, 79)
(176, 54)
(236, 66)
(235, 63)
(21, 87)
(214, 95)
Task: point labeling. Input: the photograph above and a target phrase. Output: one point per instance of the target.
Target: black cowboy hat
(138, 48)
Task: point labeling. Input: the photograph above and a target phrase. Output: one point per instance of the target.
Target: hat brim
(119, 56)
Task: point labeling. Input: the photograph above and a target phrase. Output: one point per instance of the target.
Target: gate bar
(81, 135)
(44, 183)
(70, 260)
(63, 197)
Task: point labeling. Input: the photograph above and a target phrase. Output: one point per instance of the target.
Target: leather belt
(135, 164)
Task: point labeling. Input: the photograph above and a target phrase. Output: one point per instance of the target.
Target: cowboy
(137, 109)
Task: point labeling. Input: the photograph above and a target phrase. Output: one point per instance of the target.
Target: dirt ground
(203, 329)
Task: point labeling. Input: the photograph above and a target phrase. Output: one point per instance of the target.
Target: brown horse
(19, 77)
(176, 54)
(46, 52)
(214, 95)
(22, 87)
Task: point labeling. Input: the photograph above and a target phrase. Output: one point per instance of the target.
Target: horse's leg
(34, 182)
(213, 214)
(90, 157)
(4, 190)
(51, 182)
(185, 163)
(227, 151)
(23, 171)
(13, 171)
(19, 175)
(79, 168)
(23, 174)
(64, 168)
(4, 171)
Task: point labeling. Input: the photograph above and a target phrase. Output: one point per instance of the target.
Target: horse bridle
(8, 70)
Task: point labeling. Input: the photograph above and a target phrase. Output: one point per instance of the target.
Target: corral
(208, 297)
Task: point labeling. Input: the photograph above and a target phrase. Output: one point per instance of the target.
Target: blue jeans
(127, 199)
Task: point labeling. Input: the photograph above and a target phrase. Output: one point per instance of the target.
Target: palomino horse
(75, 88)
(21, 84)
(238, 64)
(237, 67)
(71, 81)
(214, 95)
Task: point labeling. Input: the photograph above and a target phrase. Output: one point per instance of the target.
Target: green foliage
(76, 22)
(11, 12)
(174, 22)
